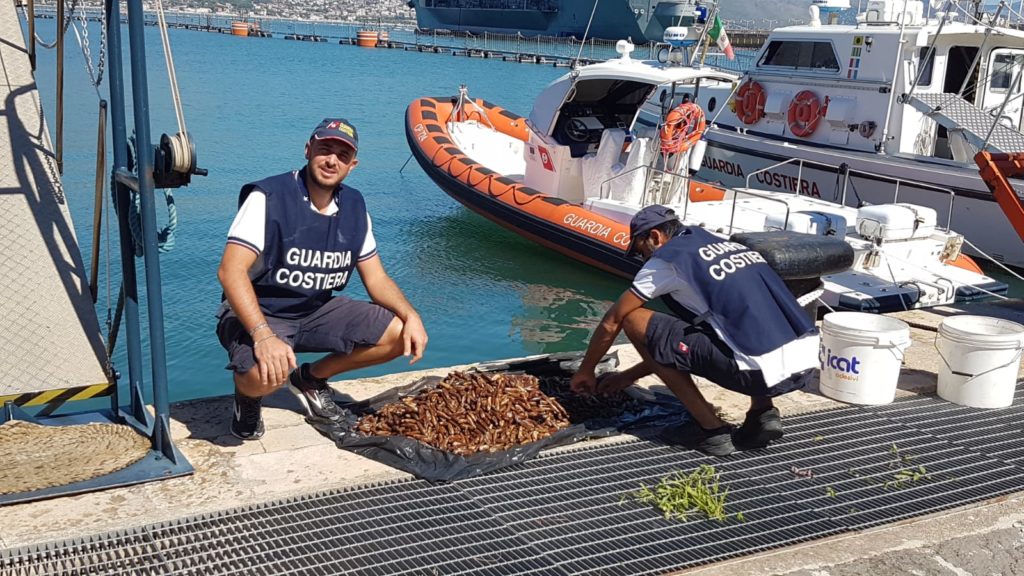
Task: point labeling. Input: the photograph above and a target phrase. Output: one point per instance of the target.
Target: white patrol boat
(901, 100)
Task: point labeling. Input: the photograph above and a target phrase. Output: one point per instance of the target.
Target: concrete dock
(292, 459)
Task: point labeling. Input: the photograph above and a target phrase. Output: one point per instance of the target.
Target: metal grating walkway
(561, 514)
(49, 337)
(955, 113)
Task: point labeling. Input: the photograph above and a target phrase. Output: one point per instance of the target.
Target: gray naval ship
(637, 20)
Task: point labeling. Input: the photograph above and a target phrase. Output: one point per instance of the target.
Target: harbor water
(250, 104)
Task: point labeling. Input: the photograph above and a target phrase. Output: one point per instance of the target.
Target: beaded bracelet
(265, 338)
(257, 327)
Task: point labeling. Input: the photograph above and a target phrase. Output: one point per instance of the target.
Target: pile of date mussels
(471, 412)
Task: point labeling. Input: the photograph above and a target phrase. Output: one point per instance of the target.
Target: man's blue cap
(337, 129)
(645, 220)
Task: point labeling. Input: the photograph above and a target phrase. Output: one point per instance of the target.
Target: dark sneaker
(315, 396)
(247, 421)
(760, 428)
(716, 442)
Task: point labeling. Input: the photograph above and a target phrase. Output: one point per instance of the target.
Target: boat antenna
(576, 62)
(880, 146)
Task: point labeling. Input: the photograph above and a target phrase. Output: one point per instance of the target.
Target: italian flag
(717, 33)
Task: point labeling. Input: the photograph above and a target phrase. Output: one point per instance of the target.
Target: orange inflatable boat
(556, 223)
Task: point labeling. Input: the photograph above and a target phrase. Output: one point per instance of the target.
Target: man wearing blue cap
(297, 238)
(734, 322)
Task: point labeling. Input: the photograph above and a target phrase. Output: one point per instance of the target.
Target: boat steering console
(580, 129)
(584, 129)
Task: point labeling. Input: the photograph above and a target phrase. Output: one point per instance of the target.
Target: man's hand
(275, 359)
(614, 382)
(583, 382)
(414, 338)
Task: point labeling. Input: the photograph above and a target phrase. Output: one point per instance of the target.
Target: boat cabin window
(927, 66)
(800, 54)
(1005, 68)
(958, 64)
(594, 106)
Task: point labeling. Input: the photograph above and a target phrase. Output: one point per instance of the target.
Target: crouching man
(297, 238)
(734, 322)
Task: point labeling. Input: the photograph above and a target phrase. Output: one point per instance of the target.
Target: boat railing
(847, 172)
(748, 192)
(605, 188)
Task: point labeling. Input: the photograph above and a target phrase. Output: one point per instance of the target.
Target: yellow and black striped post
(54, 399)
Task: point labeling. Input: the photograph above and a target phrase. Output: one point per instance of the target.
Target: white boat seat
(603, 164)
(630, 187)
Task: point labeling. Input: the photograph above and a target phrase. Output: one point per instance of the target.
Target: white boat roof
(545, 108)
(650, 71)
(931, 27)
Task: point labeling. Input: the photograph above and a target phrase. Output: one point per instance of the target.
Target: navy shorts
(677, 344)
(336, 327)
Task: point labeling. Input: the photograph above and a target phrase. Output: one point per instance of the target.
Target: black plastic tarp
(432, 464)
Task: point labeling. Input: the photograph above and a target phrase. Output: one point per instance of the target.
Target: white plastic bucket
(980, 359)
(861, 355)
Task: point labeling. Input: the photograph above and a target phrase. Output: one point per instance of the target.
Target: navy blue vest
(736, 290)
(306, 255)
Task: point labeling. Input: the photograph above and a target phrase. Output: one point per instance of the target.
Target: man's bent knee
(392, 338)
(635, 325)
(249, 384)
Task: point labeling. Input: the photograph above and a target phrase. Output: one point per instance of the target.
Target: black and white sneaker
(247, 421)
(315, 396)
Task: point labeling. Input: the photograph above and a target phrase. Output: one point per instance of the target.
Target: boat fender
(683, 127)
(794, 255)
(749, 102)
(805, 112)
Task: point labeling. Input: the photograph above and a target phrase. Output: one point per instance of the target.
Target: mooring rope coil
(165, 237)
(29, 453)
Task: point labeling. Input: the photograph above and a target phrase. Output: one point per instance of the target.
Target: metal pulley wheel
(176, 161)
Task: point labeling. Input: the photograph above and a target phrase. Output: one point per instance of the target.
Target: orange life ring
(683, 127)
(749, 102)
(804, 113)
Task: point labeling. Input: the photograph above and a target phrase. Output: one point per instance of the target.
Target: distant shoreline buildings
(386, 11)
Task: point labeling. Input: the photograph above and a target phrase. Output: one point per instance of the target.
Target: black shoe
(715, 442)
(247, 421)
(315, 396)
(760, 428)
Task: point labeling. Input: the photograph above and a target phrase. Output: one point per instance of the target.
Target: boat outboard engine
(801, 260)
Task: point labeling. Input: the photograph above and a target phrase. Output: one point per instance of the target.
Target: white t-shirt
(250, 225)
(659, 278)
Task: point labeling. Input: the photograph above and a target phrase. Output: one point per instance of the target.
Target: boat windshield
(800, 54)
(593, 106)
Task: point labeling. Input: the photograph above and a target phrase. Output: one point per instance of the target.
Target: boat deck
(50, 343)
